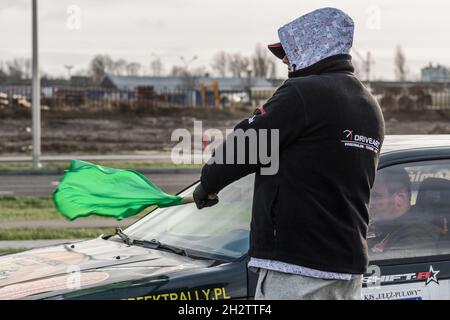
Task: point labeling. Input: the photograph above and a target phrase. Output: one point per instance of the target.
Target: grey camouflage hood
(315, 36)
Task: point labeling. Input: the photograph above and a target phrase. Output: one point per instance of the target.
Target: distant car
(235, 97)
(181, 253)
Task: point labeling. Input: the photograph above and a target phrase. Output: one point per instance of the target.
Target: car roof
(405, 142)
(412, 148)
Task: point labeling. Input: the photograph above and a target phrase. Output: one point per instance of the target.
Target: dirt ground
(128, 135)
(99, 136)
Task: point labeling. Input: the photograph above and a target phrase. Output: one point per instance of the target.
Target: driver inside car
(395, 224)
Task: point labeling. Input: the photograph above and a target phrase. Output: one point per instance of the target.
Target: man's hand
(202, 199)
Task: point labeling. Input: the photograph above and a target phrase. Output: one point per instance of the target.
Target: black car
(181, 253)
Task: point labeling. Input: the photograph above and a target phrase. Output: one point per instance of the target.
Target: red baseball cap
(277, 50)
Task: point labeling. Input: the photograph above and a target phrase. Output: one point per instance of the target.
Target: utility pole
(36, 91)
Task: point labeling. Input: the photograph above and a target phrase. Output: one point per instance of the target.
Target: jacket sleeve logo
(352, 140)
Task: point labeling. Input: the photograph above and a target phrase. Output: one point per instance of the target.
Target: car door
(408, 237)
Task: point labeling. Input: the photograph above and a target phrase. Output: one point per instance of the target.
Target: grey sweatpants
(274, 285)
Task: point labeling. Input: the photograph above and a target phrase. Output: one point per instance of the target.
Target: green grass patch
(48, 234)
(10, 251)
(134, 165)
(27, 208)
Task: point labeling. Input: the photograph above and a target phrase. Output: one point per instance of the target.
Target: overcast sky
(136, 29)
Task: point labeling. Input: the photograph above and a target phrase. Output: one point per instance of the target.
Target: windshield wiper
(155, 244)
(152, 244)
(126, 239)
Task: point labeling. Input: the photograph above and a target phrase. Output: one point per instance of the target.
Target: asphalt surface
(44, 185)
(158, 157)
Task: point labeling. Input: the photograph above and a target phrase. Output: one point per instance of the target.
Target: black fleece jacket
(314, 211)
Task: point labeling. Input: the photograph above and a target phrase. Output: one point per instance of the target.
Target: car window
(410, 210)
(221, 230)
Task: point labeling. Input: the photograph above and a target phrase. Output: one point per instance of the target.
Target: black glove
(202, 199)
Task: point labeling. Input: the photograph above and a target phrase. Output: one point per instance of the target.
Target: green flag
(88, 189)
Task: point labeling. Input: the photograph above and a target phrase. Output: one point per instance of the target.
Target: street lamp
(36, 91)
(69, 68)
(188, 62)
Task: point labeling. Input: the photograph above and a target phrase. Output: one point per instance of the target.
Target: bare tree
(198, 71)
(156, 67)
(103, 64)
(189, 77)
(133, 68)
(237, 64)
(179, 71)
(19, 68)
(401, 70)
(3, 74)
(119, 67)
(99, 66)
(219, 63)
(262, 63)
(245, 64)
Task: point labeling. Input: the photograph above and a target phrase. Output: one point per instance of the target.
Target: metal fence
(68, 97)
(97, 97)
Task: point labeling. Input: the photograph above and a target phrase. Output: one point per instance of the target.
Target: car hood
(76, 266)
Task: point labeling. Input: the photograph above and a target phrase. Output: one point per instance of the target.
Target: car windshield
(410, 210)
(221, 230)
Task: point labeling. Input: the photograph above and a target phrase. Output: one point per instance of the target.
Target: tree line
(259, 64)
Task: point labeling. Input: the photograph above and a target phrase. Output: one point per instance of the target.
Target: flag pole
(187, 199)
